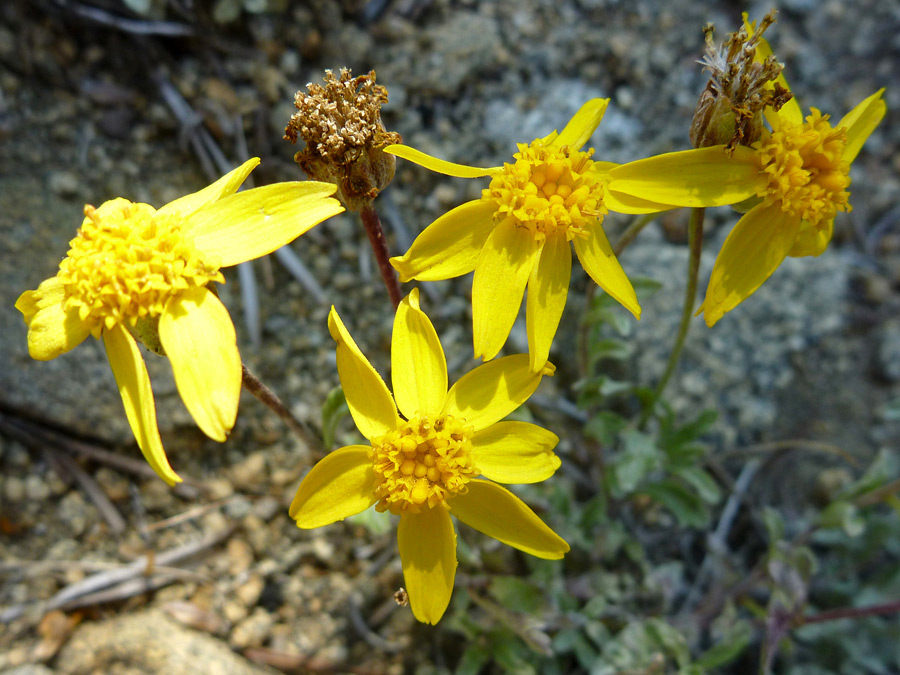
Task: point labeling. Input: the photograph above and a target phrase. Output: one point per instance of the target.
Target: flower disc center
(549, 190)
(422, 462)
(126, 262)
(806, 169)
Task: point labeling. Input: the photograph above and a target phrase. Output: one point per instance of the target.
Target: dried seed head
(341, 125)
(730, 109)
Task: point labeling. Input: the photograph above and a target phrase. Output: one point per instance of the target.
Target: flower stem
(851, 613)
(255, 386)
(379, 246)
(695, 243)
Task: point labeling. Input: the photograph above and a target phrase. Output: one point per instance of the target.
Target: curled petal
(493, 390)
(226, 185)
(753, 250)
(547, 291)
(812, 241)
(368, 398)
(583, 124)
(515, 452)
(700, 177)
(501, 273)
(450, 246)
(198, 336)
(255, 222)
(438, 165)
(134, 386)
(861, 122)
(340, 485)
(51, 329)
(498, 513)
(599, 261)
(418, 366)
(427, 545)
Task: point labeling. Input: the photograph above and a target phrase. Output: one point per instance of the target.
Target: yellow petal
(134, 386)
(427, 545)
(449, 246)
(226, 185)
(515, 452)
(418, 366)
(198, 336)
(498, 513)
(583, 124)
(547, 291)
(51, 329)
(812, 241)
(501, 273)
(599, 261)
(491, 391)
(256, 222)
(438, 165)
(340, 485)
(367, 396)
(625, 203)
(753, 250)
(790, 110)
(700, 177)
(861, 122)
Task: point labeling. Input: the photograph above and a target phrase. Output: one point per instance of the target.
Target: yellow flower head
(517, 235)
(137, 272)
(794, 179)
(426, 452)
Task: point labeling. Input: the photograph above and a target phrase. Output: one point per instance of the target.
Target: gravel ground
(83, 118)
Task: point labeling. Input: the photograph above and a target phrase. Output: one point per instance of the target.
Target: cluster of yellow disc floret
(549, 189)
(806, 169)
(126, 263)
(422, 462)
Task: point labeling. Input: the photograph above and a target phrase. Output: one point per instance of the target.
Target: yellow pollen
(549, 190)
(421, 463)
(806, 170)
(126, 262)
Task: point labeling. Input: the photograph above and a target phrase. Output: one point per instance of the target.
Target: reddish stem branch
(852, 613)
(379, 246)
(265, 395)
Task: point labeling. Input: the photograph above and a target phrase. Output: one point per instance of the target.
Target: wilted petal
(368, 398)
(427, 545)
(547, 291)
(501, 273)
(255, 222)
(51, 329)
(493, 390)
(753, 250)
(198, 336)
(450, 246)
(498, 513)
(515, 452)
(418, 366)
(340, 485)
(134, 386)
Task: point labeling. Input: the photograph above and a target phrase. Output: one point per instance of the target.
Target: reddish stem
(379, 246)
(852, 613)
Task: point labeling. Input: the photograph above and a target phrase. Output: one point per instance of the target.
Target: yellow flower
(134, 271)
(517, 235)
(422, 464)
(796, 178)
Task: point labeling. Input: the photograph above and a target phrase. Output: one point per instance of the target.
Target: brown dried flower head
(341, 125)
(730, 109)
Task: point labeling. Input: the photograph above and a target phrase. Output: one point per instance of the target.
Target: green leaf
(605, 427)
(473, 659)
(517, 595)
(638, 457)
(684, 504)
(774, 524)
(702, 482)
(728, 648)
(843, 515)
(334, 409)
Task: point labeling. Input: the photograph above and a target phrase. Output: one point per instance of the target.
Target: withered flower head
(341, 125)
(730, 109)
